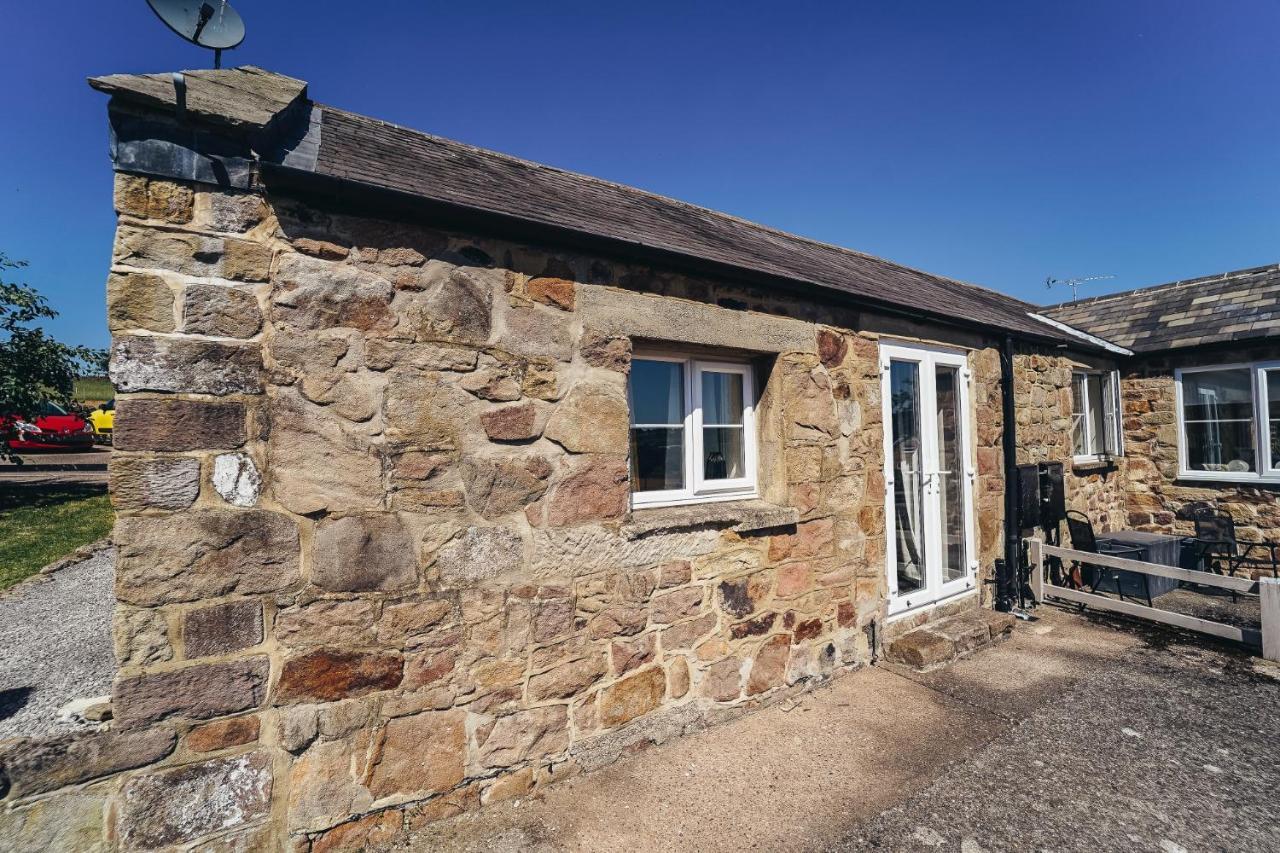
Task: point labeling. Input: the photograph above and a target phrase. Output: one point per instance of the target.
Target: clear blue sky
(997, 142)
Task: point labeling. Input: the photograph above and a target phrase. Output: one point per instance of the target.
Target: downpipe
(1007, 568)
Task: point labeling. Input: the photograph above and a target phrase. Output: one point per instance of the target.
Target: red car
(53, 428)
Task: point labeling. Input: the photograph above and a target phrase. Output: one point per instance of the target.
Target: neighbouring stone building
(1201, 396)
(441, 475)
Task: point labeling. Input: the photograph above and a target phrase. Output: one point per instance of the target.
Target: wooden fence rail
(1268, 589)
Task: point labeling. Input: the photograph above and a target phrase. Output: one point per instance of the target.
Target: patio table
(1159, 548)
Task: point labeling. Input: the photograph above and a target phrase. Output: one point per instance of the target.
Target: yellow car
(103, 419)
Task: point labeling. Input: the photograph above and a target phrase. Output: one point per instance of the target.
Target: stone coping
(740, 516)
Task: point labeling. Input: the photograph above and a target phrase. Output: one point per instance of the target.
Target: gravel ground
(1171, 750)
(56, 634)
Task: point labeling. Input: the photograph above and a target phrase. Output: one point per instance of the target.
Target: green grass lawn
(39, 525)
(93, 389)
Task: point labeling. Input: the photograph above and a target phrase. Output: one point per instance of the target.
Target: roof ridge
(1029, 306)
(1169, 285)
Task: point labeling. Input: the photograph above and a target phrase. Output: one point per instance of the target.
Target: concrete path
(888, 759)
(55, 633)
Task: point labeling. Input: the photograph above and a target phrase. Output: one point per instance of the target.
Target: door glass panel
(908, 475)
(951, 471)
(1273, 415)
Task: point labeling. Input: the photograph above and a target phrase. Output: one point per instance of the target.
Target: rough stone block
(220, 311)
(185, 365)
(139, 301)
(141, 637)
(557, 292)
(176, 425)
(154, 482)
(131, 195)
(204, 554)
(73, 820)
(481, 553)
(769, 666)
(593, 418)
(314, 294)
(186, 803)
(227, 211)
(222, 628)
(631, 697)
(497, 487)
(327, 675)
(595, 488)
(921, 648)
(523, 736)
(674, 606)
(363, 553)
(192, 254)
(511, 423)
(236, 479)
(568, 679)
(38, 765)
(424, 752)
(611, 352)
(313, 464)
(195, 692)
(169, 201)
(223, 734)
(452, 305)
(722, 681)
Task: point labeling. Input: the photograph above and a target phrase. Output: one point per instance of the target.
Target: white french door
(928, 475)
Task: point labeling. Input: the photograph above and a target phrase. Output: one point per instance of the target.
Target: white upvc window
(693, 434)
(1095, 415)
(1229, 422)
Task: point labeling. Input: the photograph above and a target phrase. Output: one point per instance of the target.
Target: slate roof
(1234, 306)
(340, 144)
(368, 151)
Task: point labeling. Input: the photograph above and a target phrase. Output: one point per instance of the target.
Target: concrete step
(941, 642)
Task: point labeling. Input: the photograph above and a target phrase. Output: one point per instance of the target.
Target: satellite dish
(211, 24)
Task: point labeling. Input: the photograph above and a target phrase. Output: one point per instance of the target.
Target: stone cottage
(442, 475)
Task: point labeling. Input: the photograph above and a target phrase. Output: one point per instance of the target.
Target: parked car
(51, 427)
(103, 419)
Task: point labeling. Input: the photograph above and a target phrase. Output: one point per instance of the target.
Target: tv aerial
(1074, 283)
(211, 24)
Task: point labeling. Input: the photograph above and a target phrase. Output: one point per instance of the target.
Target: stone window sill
(739, 516)
(1091, 466)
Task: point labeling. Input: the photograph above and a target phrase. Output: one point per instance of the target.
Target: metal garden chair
(1083, 539)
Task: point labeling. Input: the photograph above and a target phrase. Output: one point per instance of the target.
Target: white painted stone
(236, 478)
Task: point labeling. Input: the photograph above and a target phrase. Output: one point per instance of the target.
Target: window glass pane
(657, 459)
(721, 398)
(1093, 387)
(656, 389)
(724, 453)
(1214, 395)
(1110, 415)
(1079, 442)
(1217, 412)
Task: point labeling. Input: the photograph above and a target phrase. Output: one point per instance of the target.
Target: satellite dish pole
(211, 24)
(1074, 283)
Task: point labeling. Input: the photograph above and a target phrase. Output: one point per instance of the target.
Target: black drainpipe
(1007, 569)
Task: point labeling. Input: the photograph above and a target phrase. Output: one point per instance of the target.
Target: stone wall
(376, 559)
(1157, 499)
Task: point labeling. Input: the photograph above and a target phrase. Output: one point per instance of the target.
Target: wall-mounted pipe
(1007, 569)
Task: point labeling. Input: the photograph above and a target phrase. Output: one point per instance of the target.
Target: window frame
(1110, 387)
(697, 488)
(1261, 425)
